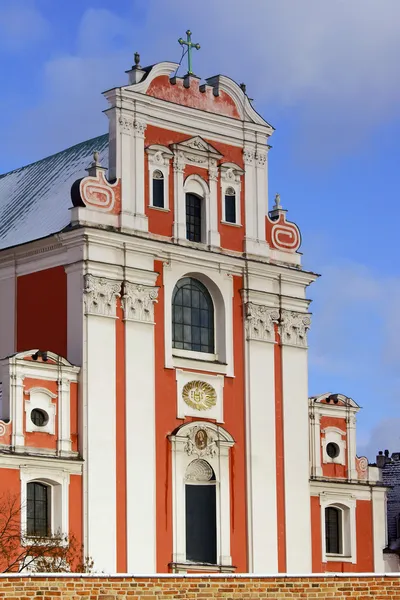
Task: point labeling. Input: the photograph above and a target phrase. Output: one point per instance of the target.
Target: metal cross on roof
(189, 45)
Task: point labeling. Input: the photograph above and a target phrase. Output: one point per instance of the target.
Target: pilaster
(293, 330)
(138, 305)
(64, 418)
(100, 295)
(255, 197)
(213, 233)
(261, 446)
(179, 198)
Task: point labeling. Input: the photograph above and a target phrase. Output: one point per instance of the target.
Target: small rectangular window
(193, 218)
(158, 189)
(230, 205)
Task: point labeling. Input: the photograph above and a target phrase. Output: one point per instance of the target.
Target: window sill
(204, 356)
(159, 208)
(198, 364)
(231, 224)
(183, 567)
(338, 558)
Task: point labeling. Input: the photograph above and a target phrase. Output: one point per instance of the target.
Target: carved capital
(261, 158)
(213, 173)
(260, 321)
(140, 128)
(126, 124)
(100, 296)
(179, 162)
(138, 302)
(248, 156)
(294, 327)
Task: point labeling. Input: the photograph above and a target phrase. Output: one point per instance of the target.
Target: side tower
(202, 364)
(348, 497)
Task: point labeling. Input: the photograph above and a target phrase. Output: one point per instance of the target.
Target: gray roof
(35, 200)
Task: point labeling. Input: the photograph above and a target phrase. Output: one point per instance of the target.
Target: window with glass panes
(230, 206)
(333, 530)
(193, 218)
(158, 189)
(192, 317)
(38, 504)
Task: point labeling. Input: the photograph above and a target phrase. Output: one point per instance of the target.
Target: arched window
(333, 530)
(230, 205)
(38, 509)
(158, 189)
(193, 217)
(192, 317)
(201, 515)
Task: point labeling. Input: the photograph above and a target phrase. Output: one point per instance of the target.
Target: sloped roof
(35, 200)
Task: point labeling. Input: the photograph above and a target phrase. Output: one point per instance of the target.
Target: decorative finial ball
(95, 156)
(189, 32)
(137, 59)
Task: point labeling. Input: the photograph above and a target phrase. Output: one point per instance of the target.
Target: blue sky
(325, 74)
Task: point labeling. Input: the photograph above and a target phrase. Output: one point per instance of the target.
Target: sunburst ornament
(199, 395)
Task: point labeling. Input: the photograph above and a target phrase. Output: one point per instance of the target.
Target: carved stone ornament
(201, 442)
(100, 296)
(199, 471)
(261, 158)
(138, 302)
(213, 173)
(139, 128)
(294, 327)
(199, 395)
(248, 156)
(260, 322)
(126, 124)
(179, 162)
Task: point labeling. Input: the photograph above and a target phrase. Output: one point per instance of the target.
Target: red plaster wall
(42, 311)
(38, 439)
(166, 423)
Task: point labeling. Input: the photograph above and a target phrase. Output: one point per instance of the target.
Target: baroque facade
(153, 326)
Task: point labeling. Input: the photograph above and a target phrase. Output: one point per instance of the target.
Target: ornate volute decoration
(294, 327)
(199, 395)
(260, 322)
(100, 296)
(201, 442)
(199, 471)
(138, 302)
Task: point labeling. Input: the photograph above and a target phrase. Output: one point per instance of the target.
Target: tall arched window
(158, 189)
(201, 516)
(333, 530)
(193, 217)
(230, 205)
(192, 317)
(38, 509)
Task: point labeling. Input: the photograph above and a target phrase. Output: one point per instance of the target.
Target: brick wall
(199, 587)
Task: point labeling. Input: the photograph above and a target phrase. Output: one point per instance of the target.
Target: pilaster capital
(100, 296)
(260, 322)
(126, 123)
(213, 173)
(139, 128)
(294, 327)
(179, 162)
(261, 158)
(138, 302)
(248, 155)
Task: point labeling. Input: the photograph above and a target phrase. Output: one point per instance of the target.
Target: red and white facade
(125, 405)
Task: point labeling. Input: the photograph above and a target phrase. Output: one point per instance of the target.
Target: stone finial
(277, 205)
(95, 165)
(96, 158)
(136, 58)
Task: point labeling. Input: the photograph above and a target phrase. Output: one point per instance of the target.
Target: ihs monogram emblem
(199, 395)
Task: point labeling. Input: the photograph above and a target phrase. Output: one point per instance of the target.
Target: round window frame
(336, 450)
(42, 412)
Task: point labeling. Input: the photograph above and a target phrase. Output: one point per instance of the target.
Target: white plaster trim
(159, 160)
(58, 480)
(40, 398)
(214, 412)
(334, 435)
(220, 287)
(216, 454)
(347, 504)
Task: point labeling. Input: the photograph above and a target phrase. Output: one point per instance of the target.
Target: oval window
(39, 417)
(332, 450)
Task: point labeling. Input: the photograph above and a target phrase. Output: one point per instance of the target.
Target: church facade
(153, 329)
